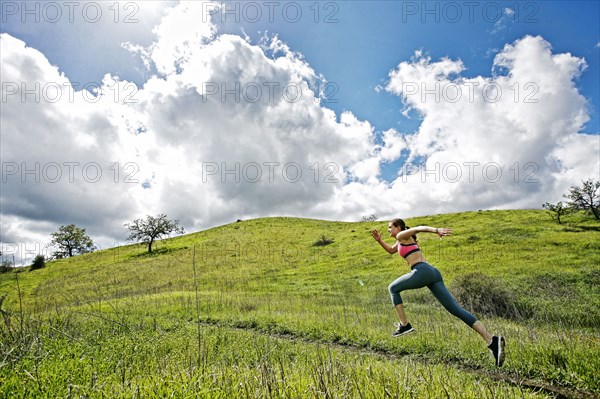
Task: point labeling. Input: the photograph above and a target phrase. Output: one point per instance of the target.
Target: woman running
(422, 274)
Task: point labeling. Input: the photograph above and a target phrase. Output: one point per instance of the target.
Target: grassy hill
(259, 309)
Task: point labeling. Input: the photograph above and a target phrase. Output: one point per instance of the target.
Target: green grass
(166, 362)
(282, 316)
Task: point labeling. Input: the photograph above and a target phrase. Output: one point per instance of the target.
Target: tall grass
(229, 363)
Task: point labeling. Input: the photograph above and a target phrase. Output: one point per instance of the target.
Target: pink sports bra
(406, 249)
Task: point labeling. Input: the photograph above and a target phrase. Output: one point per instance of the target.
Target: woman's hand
(376, 235)
(443, 231)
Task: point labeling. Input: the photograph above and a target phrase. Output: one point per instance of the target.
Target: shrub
(323, 241)
(38, 263)
(5, 266)
(483, 295)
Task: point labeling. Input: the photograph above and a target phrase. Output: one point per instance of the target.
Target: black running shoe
(402, 330)
(497, 348)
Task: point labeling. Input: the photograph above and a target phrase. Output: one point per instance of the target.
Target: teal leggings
(425, 275)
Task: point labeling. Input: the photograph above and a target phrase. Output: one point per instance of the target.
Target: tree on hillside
(557, 210)
(371, 218)
(152, 228)
(586, 197)
(71, 240)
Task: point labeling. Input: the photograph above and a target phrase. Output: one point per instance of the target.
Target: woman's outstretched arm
(406, 234)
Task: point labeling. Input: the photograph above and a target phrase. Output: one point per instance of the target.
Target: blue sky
(366, 52)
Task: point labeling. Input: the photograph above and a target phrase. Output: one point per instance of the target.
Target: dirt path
(559, 392)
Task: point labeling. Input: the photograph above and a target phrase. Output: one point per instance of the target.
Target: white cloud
(182, 30)
(523, 125)
(59, 146)
(506, 142)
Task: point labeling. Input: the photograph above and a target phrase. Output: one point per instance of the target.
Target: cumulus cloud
(227, 129)
(61, 146)
(240, 133)
(506, 141)
(510, 140)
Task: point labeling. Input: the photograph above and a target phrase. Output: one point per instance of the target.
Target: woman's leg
(441, 293)
(412, 280)
(495, 343)
(401, 314)
(480, 328)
